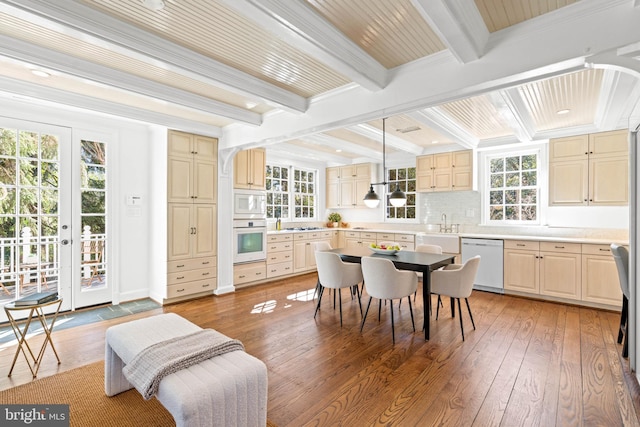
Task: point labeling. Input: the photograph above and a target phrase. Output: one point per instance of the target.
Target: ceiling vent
(408, 129)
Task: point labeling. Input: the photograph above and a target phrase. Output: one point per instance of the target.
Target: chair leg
(460, 313)
(340, 302)
(379, 308)
(359, 300)
(411, 311)
(319, 300)
(453, 310)
(393, 332)
(470, 315)
(623, 318)
(365, 314)
(437, 308)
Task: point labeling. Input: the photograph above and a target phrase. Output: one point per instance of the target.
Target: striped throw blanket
(151, 365)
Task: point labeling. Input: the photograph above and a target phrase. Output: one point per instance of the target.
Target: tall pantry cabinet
(192, 215)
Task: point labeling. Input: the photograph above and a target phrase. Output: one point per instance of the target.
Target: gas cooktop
(303, 228)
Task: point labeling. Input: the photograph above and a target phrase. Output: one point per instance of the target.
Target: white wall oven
(249, 240)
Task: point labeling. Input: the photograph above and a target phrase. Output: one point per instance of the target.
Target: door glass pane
(28, 213)
(93, 215)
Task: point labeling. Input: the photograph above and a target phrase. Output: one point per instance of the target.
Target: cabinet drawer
(405, 237)
(352, 234)
(301, 236)
(245, 273)
(276, 257)
(592, 249)
(573, 248)
(385, 236)
(182, 289)
(279, 246)
(368, 235)
(522, 244)
(191, 264)
(279, 269)
(284, 237)
(407, 246)
(189, 276)
(327, 234)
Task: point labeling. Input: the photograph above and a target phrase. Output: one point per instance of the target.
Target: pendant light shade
(397, 198)
(371, 200)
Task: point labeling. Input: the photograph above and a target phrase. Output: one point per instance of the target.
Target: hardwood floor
(528, 363)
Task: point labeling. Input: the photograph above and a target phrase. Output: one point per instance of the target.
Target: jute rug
(83, 389)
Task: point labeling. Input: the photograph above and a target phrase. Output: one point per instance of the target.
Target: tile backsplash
(461, 207)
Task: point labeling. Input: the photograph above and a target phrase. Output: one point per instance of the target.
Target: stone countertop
(590, 240)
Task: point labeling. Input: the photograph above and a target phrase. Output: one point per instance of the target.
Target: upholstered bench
(225, 390)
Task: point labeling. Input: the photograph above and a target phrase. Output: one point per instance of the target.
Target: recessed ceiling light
(250, 104)
(561, 112)
(153, 4)
(40, 73)
(338, 151)
(435, 141)
(408, 129)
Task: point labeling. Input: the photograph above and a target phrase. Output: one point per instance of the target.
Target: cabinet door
(442, 179)
(257, 169)
(461, 179)
(333, 194)
(568, 183)
(300, 254)
(362, 171)
(600, 283)
(424, 173)
(609, 181)
(180, 144)
(569, 148)
(353, 243)
(361, 188)
(560, 275)
(204, 180)
(179, 180)
(333, 174)
(521, 271)
(180, 231)
(205, 148)
(607, 144)
(346, 193)
(205, 237)
(241, 178)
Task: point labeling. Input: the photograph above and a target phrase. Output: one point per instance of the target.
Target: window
(514, 190)
(291, 192)
(406, 179)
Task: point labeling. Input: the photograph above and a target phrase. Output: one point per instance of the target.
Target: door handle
(65, 242)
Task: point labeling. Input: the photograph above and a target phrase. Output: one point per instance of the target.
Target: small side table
(35, 311)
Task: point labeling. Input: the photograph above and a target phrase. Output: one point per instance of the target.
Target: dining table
(405, 260)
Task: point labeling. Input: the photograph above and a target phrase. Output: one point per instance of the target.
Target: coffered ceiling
(313, 78)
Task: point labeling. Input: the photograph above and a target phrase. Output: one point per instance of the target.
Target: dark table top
(405, 260)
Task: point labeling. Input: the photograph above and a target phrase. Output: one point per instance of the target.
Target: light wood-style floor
(528, 363)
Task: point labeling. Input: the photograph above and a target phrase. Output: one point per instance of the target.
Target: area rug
(83, 389)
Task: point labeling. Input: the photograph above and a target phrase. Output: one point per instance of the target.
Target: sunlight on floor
(32, 333)
(270, 306)
(264, 307)
(303, 296)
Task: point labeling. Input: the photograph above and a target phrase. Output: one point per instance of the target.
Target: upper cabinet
(249, 169)
(347, 185)
(445, 171)
(192, 168)
(589, 170)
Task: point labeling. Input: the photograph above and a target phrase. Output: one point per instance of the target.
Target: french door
(52, 210)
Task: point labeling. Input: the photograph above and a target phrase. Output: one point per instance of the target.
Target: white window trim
(291, 193)
(539, 148)
(387, 190)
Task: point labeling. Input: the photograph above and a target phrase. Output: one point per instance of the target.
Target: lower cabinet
(191, 276)
(569, 271)
(279, 254)
(250, 272)
(600, 283)
(304, 258)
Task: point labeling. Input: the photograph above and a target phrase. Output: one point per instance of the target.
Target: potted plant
(334, 218)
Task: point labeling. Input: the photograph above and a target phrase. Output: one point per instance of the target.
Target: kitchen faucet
(444, 218)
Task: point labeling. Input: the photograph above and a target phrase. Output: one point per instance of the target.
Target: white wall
(128, 174)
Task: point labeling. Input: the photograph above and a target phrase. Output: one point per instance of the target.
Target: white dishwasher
(490, 271)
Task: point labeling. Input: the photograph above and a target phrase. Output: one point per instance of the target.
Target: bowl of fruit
(384, 249)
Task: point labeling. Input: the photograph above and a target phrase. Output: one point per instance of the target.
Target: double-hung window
(405, 179)
(291, 192)
(513, 188)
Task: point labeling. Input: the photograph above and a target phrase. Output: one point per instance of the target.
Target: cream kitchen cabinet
(359, 239)
(346, 186)
(543, 268)
(445, 171)
(249, 169)
(191, 215)
(192, 168)
(192, 231)
(279, 254)
(589, 170)
(560, 270)
(245, 274)
(304, 258)
(600, 283)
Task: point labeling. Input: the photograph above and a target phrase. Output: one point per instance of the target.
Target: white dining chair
(320, 246)
(456, 281)
(385, 282)
(335, 274)
(621, 257)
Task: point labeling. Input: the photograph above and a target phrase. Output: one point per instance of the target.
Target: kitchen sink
(449, 243)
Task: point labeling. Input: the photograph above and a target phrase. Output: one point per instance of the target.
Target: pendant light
(397, 198)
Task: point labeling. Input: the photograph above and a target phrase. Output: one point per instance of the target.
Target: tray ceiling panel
(500, 14)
